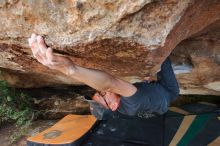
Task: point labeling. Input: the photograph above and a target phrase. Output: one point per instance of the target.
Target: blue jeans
(153, 96)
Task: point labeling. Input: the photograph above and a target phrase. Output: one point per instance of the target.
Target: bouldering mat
(65, 132)
(188, 125)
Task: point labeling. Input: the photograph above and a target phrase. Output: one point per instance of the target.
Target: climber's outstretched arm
(103, 81)
(96, 79)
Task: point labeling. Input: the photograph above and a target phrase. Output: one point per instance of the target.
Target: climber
(113, 93)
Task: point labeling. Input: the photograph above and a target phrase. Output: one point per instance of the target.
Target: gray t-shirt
(151, 97)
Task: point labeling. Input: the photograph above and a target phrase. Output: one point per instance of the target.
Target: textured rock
(55, 103)
(200, 55)
(126, 38)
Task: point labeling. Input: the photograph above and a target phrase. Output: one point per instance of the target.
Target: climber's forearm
(101, 81)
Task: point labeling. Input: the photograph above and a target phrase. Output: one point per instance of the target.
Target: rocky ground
(8, 132)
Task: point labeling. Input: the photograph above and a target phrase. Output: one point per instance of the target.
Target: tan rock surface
(201, 55)
(128, 38)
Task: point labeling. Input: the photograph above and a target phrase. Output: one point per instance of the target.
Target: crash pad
(188, 125)
(66, 131)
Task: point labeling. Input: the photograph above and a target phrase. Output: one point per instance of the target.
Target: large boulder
(197, 62)
(129, 39)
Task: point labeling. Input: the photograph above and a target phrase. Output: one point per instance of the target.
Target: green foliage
(15, 107)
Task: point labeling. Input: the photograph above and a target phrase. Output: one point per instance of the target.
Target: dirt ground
(7, 129)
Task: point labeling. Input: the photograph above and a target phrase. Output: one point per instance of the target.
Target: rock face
(127, 38)
(55, 103)
(199, 57)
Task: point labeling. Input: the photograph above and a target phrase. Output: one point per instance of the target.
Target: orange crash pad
(66, 131)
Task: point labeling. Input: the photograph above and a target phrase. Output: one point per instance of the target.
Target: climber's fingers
(41, 44)
(33, 44)
(149, 79)
(50, 55)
